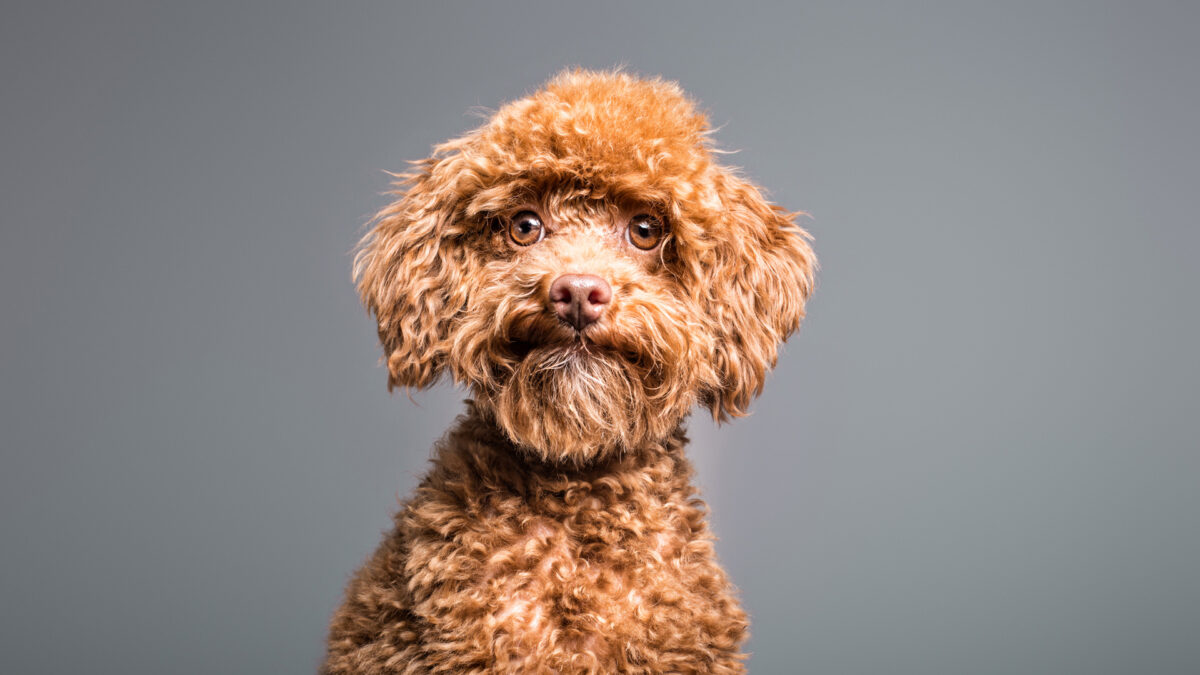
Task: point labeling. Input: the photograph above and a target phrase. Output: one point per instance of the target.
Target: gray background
(979, 456)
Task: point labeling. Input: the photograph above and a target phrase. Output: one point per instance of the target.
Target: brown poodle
(582, 265)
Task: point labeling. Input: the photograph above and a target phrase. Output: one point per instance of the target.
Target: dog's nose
(579, 299)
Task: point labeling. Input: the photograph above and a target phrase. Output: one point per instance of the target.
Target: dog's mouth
(561, 349)
(645, 343)
(558, 356)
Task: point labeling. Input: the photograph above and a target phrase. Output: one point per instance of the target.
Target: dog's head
(583, 265)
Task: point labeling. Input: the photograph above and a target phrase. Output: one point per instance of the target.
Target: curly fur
(557, 531)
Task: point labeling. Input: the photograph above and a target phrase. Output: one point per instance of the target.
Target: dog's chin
(578, 402)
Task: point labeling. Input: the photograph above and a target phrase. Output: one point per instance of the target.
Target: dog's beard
(576, 403)
(567, 397)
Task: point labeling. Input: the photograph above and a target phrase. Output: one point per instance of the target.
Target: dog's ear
(761, 276)
(411, 269)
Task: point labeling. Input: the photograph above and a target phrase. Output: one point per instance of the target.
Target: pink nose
(579, 299)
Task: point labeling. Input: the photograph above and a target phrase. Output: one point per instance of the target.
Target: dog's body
(591, 275)
(505, 564)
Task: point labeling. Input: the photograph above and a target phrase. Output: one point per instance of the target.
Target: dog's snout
(579, 299)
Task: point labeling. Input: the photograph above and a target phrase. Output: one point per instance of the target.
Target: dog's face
(583, 265)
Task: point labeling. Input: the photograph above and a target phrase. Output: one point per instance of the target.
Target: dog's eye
(645, 231)
(525, 228)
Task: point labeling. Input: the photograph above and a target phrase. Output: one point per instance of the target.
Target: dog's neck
(477, 448)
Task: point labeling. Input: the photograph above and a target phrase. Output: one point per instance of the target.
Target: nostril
(600, 294)
(560, 292)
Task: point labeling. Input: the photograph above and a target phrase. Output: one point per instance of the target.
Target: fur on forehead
(606, 135)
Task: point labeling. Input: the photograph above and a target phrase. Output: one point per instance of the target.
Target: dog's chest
(598, 589)
(589, 593)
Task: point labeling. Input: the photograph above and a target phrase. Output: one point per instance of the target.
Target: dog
(583, 266)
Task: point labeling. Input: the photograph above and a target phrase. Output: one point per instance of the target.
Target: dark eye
(645, 231)
(525, 228)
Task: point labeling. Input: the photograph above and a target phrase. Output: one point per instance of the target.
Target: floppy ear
(410, 270)
(760, 279)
